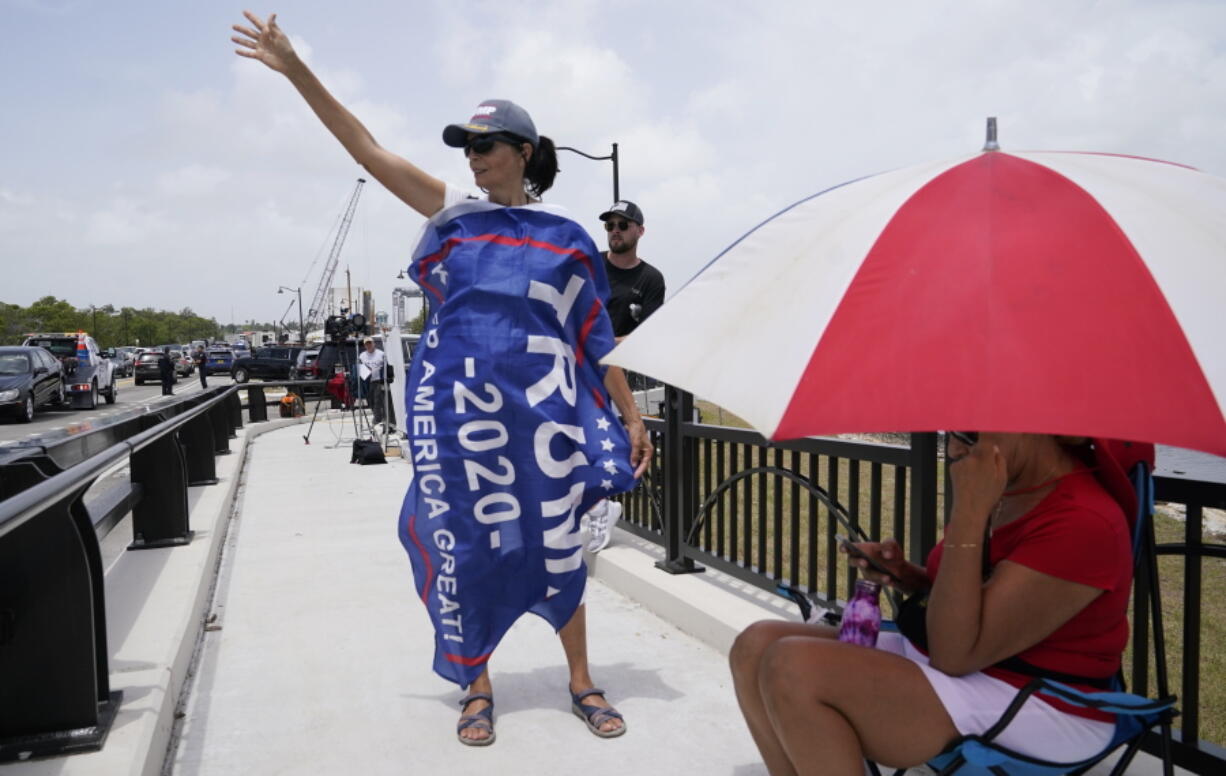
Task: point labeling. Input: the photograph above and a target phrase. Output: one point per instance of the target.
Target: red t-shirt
(1077, 533)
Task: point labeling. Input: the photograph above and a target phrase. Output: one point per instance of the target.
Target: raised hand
(978, 479)
(266, 43)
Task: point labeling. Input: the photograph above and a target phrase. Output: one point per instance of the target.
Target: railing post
(219, 419)
(26, 473)
(54, 672)
(234, 406)
(257, 409)
(197, 437)
(160, 518)
(923, 506)
(678, 494)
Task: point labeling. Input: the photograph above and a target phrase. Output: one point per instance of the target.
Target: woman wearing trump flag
(511, 427)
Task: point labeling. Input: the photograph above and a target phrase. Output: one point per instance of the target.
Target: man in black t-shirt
(636, 289)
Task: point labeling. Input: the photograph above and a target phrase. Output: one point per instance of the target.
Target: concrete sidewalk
(318, 660)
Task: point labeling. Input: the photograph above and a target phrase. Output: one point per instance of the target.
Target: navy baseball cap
(626, 209)
(493, 116)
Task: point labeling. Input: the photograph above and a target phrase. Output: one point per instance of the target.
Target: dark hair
(542, 167)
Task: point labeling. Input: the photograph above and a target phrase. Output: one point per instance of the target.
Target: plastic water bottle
(862, 615)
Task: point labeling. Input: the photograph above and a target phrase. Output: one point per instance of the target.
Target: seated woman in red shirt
(1049, 596)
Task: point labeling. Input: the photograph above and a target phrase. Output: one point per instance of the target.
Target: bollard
(160, 518)
(55, 675)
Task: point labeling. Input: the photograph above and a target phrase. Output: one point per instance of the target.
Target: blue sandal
(481, 720)
(595, 716)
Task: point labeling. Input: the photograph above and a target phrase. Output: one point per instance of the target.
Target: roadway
(51, 418)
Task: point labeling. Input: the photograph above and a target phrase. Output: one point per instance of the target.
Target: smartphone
(856, 552)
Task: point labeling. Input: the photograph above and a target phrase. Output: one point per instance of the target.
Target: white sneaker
(601, 519)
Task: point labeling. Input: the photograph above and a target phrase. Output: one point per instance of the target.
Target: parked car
(218, 360)
(274, 363)
(130, 353)
(184, 363)
(305, 367)
(124, 363)
(147, 368)
(86, 372)
(29, 378)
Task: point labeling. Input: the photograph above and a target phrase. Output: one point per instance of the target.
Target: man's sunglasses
(968, 438)
(620, 226)
(483, 144)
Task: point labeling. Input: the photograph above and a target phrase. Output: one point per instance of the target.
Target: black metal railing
(767, 513)
(54, 675)
(1191, 751)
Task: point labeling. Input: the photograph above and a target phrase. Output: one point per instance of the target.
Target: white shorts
(976, 701)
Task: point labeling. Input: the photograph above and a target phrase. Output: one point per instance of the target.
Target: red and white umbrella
(1050, 292)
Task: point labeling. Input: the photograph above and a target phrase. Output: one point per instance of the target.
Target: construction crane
(315, 316)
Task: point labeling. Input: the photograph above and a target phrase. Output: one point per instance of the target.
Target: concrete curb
(712, 607)
(156, 601)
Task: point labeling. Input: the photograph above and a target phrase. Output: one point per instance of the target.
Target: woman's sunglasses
(483, 144)
(620, 226)
(968, 438)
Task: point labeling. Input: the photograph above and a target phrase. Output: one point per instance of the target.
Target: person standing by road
(166, 368)
(202, 359)
(636, 288)
(375, 361)
(513, 166)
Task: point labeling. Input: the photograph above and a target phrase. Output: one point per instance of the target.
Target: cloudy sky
(143, 164)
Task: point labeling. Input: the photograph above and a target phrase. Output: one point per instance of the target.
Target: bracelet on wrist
(953, 546)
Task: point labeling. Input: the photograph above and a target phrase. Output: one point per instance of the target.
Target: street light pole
(301, 322)
(611, 157)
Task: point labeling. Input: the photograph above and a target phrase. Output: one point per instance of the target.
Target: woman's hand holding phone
(881, 562)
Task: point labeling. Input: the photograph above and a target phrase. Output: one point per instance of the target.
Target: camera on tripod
(338, 328)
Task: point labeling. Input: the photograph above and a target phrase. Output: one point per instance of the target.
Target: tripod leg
(307, 437)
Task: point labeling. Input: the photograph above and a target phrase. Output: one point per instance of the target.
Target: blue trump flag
(511, 431)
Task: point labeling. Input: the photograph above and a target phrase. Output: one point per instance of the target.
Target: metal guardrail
(729, 499)
(55, 696)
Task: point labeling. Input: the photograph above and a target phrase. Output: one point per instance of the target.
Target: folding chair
(980, 755)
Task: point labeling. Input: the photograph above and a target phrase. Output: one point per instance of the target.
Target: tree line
(111, 326)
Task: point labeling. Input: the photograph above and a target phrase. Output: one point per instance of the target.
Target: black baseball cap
(493, 116)
(626, 209)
